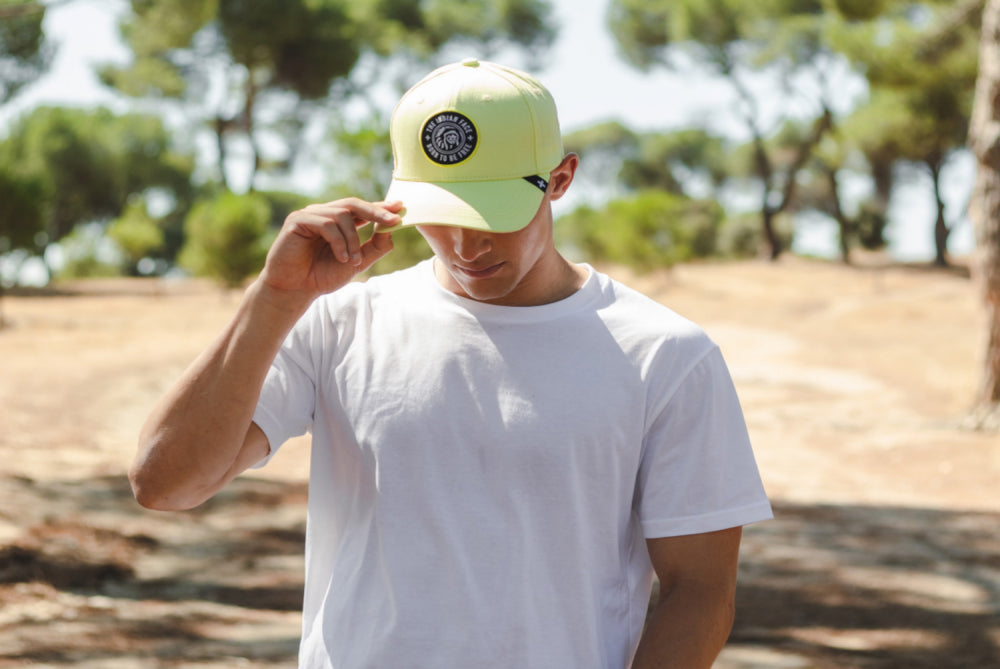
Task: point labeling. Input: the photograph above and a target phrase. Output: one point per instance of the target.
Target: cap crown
(475, 121)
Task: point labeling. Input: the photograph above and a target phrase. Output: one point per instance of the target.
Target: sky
(590, 83)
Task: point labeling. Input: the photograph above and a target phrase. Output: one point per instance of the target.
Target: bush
(650, 230)
(136, 234)
(227, 238)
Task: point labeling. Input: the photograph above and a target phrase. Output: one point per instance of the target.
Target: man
(506, 445)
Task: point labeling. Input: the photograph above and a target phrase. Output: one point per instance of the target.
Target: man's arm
(694, 615)
(201, 435)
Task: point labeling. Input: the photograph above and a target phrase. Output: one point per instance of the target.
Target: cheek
(434, 238)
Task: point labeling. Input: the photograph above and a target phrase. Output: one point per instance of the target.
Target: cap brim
(492, 206)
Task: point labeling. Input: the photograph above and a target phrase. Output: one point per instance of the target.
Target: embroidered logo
(449, 138)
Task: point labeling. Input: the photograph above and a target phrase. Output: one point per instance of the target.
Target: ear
(562, 176)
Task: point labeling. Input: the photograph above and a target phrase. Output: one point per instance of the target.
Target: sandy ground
(855, 381)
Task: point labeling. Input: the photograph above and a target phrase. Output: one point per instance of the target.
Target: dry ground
(885, 551)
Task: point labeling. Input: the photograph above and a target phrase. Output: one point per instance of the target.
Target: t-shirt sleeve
(697, 472)
(288, 398)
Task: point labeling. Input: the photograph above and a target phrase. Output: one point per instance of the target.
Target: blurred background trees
(241, 98)
(24, 54)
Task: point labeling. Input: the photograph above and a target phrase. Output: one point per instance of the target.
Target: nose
(471, 244)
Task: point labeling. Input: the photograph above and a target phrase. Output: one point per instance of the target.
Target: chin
(484, 294)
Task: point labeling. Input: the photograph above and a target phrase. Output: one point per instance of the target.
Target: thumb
(374, 249)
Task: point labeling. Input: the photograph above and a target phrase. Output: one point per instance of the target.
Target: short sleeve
(288, 398)
(697, 472)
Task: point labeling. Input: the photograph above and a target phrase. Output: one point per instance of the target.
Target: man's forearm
(195, 433)
(688, 628)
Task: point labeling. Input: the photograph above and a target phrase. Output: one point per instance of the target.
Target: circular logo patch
(449, 138)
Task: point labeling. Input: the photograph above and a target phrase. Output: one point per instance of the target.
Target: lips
(480, 273)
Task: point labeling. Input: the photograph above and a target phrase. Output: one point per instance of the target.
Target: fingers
(338, 222)
(376, 247)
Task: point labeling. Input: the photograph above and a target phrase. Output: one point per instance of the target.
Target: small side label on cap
(449, 138)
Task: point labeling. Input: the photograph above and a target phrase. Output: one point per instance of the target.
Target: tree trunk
(248, 128)
(844, 225)
(984, 139)
(221, 128)
(941, 230)
(774, 247)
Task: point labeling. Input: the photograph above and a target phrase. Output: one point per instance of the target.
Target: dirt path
(884, 553)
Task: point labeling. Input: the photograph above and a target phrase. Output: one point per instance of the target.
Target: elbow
(148, 494)
(153, 489)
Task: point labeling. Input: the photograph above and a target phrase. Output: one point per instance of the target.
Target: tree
(689, 161)
(984, 139)
(693, 166)
(82, 166)
(21, 217)
(24, 55)
(920, 61)
(865, 145)
(22, 214)
(226, 60)
(730, 39)
(258, 71)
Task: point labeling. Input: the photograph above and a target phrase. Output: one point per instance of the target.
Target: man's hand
(318, 249)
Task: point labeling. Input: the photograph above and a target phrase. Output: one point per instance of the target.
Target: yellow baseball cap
(473, 144)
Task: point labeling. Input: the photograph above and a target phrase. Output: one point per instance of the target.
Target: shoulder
(634, 316)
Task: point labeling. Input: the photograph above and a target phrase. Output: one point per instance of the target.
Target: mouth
(483, 273)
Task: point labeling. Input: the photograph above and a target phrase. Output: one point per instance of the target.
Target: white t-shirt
(483, 478)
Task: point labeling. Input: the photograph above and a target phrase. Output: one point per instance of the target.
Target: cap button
(470, 62)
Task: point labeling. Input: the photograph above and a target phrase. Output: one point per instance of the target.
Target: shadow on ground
(862, 586)
(88, 579)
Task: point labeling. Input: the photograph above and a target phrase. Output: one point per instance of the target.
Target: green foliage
(424, 27)
(227, 238)
(136, 233)
(718, 34)
(22, 210)
(268, 54)
(858, 10)
(673, 161)
(294, 45)
(23, 55)
(730, 38)
(278, 58)
(282, 203)
(361, 161)
(921, 60)
(652, 229)
(82, 166)
(870, 225)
